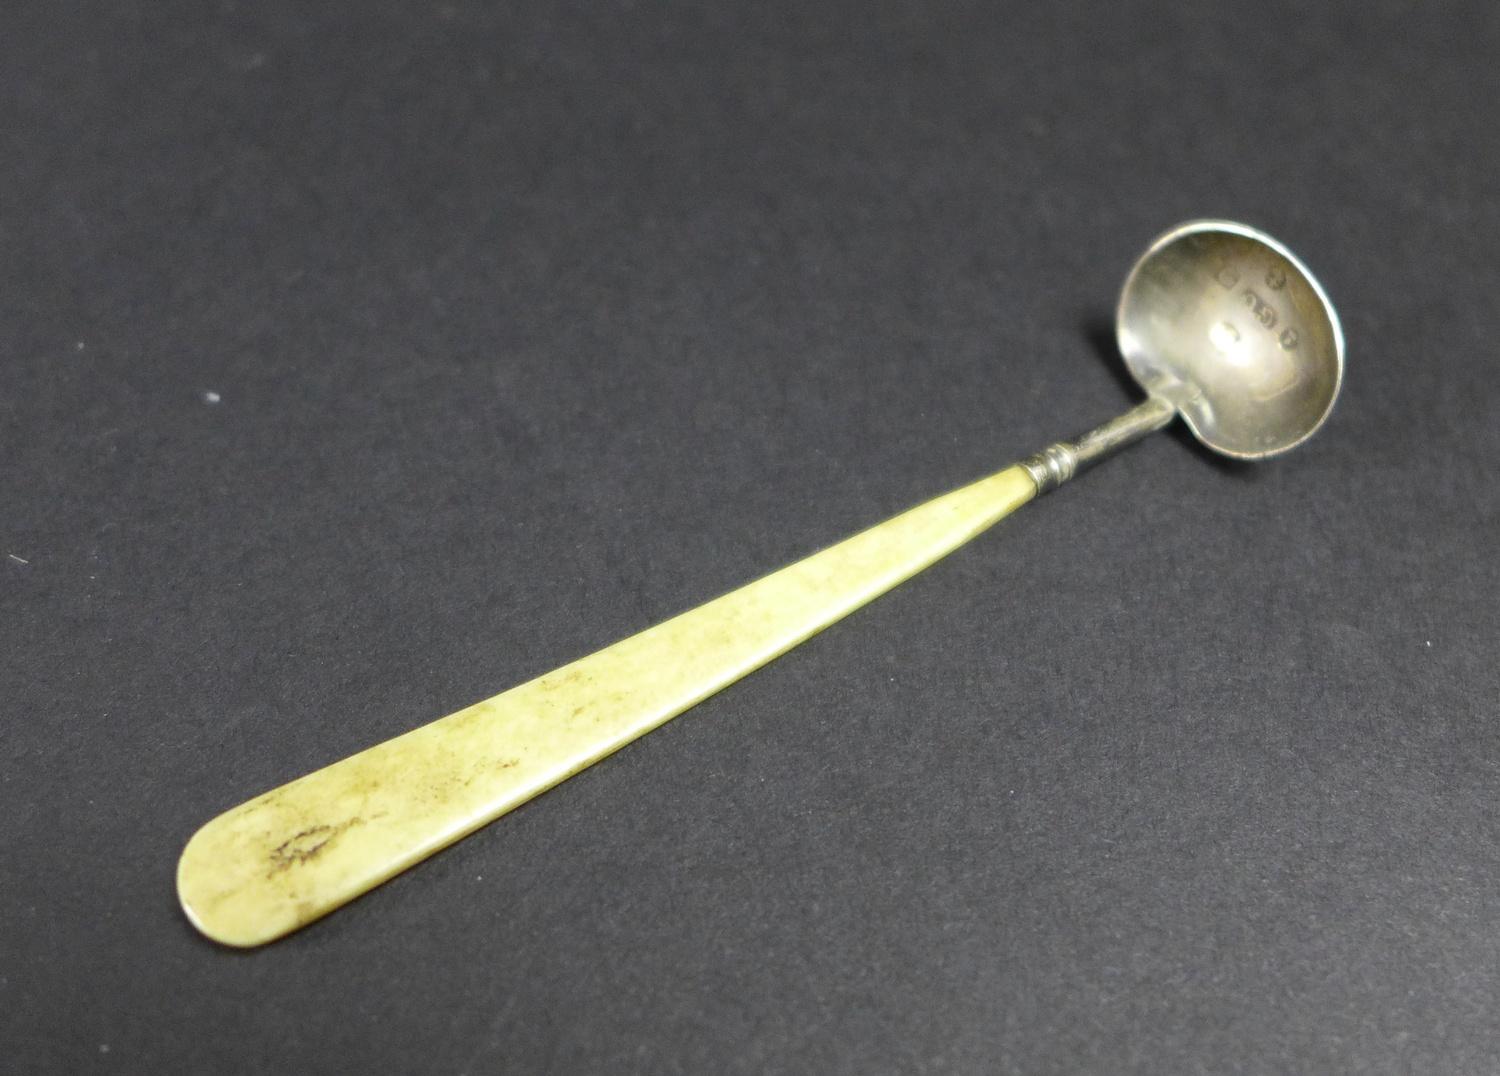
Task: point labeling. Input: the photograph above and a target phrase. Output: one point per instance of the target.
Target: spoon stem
(1060, 461)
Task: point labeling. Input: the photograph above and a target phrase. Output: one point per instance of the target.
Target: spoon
(1217, 322)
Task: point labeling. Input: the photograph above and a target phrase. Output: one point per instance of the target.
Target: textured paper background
(355, 365)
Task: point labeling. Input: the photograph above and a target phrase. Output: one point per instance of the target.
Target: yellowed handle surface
(276, 863)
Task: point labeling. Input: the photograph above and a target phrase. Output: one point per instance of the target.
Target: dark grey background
(533, 324)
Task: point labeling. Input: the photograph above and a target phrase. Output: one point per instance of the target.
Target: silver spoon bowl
(1226, 325)
(1220, 324)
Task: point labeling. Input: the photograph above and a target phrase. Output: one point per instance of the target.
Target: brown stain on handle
(304, 846)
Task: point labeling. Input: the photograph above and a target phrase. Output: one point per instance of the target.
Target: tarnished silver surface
(1226, 324)
(1222, 324)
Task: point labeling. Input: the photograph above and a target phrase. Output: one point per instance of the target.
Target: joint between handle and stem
(1060, 461)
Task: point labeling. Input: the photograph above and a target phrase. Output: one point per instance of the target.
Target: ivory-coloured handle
(278, 862)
